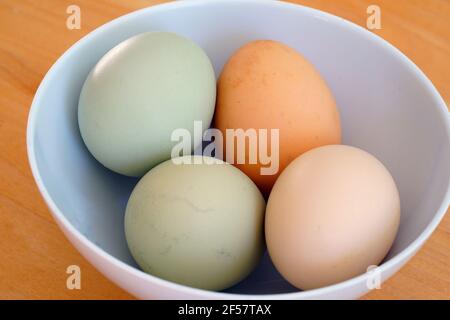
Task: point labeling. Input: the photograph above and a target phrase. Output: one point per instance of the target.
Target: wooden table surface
(34, 254)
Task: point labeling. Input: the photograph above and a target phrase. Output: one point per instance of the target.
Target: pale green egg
(199, 225)
(138, 94)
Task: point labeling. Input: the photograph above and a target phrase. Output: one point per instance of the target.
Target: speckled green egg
(138, 94)
(199, 225)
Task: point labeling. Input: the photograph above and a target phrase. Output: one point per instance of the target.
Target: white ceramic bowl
(388, 107)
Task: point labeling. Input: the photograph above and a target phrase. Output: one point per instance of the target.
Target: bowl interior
(386, 106)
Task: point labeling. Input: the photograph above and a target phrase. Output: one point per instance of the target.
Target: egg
(333, 212)
(196, 221)
(138, 94)
(268, 85)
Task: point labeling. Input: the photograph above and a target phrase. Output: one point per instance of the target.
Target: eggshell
(332, 213)
(199, 225)
(268, 85)
(138, 94)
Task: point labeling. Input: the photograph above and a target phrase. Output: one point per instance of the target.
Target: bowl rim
(60, 218)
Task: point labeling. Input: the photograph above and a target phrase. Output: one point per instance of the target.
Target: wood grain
(35, 254)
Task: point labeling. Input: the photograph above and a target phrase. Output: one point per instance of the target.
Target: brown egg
(268, 85)
(333, 212)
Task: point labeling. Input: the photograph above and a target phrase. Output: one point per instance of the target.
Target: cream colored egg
(333, 212)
